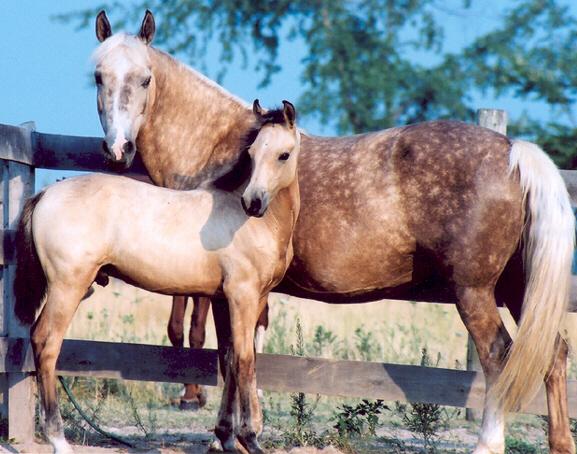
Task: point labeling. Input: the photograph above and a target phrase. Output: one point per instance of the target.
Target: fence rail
(21, 151)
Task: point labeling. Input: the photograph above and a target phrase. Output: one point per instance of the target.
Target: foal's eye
(284, 156)
(98, 78)
(146, 82)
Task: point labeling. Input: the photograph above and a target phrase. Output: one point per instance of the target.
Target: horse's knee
(175, 331)
(197, 335)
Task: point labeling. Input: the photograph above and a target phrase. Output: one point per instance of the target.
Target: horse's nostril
(105, 147)
(255, 205)
(128, 147)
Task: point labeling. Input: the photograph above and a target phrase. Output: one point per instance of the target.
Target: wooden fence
(22, 150)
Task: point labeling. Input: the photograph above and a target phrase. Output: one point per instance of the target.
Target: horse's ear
(147, 28)
(103, 28)
(257, 109)
(290, 114)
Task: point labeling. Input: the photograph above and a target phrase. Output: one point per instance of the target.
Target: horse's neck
(193, 127)
(286, 206)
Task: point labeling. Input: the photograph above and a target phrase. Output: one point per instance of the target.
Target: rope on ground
(88, 419)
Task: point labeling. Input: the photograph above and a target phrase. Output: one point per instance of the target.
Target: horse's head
(274, 155)
(125, 85)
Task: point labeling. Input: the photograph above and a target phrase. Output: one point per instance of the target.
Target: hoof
(250, 443)
(226, 438)
(60, 445)
(189, 405)
(482, 449)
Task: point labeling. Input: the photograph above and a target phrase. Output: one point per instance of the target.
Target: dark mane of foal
(239, 173)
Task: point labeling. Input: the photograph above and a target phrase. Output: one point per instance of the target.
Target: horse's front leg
(245, 305)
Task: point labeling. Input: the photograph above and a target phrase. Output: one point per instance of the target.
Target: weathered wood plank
(494, 119)
(53, 151)
(274, 372)
(19, 401)
(15, 144)
(7, 246)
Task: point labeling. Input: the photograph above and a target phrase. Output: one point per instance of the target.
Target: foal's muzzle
(128, 152)
(256, 206)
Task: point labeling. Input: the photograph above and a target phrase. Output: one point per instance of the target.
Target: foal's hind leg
(478, 310)
(47, 335)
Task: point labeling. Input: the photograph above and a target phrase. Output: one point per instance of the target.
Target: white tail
(549, 241)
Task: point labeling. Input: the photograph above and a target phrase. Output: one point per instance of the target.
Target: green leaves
(373, 64)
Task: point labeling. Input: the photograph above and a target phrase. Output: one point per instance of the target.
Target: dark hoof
(189, 405)
(250, 443)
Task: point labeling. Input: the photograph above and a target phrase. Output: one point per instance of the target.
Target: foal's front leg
(245, 305)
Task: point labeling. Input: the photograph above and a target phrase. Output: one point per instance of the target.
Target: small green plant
(516, 446)
(424, 420)
(301, 432)
(322, 340)
(277, 335)
(366, 345)
(358, 420)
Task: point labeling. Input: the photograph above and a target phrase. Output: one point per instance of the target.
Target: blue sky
(45, 66)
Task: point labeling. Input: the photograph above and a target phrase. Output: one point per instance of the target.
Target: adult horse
(208, 242)
(437, 211)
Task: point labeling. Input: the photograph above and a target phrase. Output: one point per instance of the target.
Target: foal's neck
(193, 128)
(285, 206)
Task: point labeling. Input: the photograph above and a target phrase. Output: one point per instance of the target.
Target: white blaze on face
(123, 93)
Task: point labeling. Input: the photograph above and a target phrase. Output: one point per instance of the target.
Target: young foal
(201, 242)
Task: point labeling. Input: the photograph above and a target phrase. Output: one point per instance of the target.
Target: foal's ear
(103, 28)
(257, 109)
(289, 112)
(147, 28)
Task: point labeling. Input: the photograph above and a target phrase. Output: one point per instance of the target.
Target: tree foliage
(372, 64)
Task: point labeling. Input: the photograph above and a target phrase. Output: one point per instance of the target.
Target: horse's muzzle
(255, 208)
(128, 153)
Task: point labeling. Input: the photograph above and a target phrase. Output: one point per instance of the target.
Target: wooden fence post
(18, 388)
(496, 120)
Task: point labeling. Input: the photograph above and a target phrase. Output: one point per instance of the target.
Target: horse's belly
(349, 268)
(171, 272)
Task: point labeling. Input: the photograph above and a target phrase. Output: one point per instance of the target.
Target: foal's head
(274, 155)
(125, 86)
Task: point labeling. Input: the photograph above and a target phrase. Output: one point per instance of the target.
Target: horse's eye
(98, 78)
(284, 156)
(146, 82)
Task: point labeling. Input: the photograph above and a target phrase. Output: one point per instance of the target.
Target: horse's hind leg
(195, 395)
(47, 335)
(478, 310)
(560, 438)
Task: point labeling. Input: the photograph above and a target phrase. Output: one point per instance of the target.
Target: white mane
(135, 49)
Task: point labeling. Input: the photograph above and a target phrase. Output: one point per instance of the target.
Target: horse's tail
(30, 280)
(549, 241)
